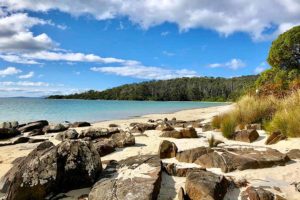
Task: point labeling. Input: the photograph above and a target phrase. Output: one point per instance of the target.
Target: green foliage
(285, 50)
(228, 126)
(180, 89)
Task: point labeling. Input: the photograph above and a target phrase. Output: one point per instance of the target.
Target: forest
(179, 89)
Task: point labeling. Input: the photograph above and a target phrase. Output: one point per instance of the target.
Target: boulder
(142, 127)
(167, 149)
(36, 132)
(80, 124)
(275, 137)
(188, 133)
(54, 128)
(259, 193)
(9, 125)
(33, 125)
(192, 155)
(246, 135)
(201, 184)
(6, 133)
(95, 133)
(67, 135)
(123, 139)
(171, 134)
(20, 140)
(113, 125)
(36, 140)
(104, 146)
(164, 127)
(176, 170)
(136, 178)
(230, 159)
(294, 154)
(49, 170)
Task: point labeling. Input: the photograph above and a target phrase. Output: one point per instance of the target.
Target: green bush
(228, 125)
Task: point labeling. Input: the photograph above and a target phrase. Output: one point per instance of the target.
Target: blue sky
(49, 47)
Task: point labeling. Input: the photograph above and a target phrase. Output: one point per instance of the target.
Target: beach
(148, 144)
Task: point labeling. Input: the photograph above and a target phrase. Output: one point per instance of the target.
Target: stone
(181, 195)
(275, 137)
(33, 125)
(246, 135)
(201, 184)
(192, 155)
(104, 146)
(123, 139)
(206, 127)
(164, 127)
(135, 178)
(36, 140)
(20, 140)
(113, 125)
(142, 127)
(67, 135)
(256, 126)
(54, 128)
(36, 132)
(188, 133)
(95, 133)
(6, 133)
(83, 197)
(176, 170)
(294, 154)
(171, 134)
(167, 149)
(80, 124)
(259, 193)
(8, 125)
(49, 170)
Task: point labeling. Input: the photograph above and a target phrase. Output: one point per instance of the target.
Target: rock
(294, 154)
(54, 128)
(258, 193)
(275, 137)
(164, 127)
(9, 125)
(246, 135)
(230, 159)
(104, 146)
(6, 133)
(36, 132)
(188, 133)
(33, 125)
(171, 134)
(95, 133)
(123, 139)
(136, 178)
(20, 140)
(36, 140)
(167, 149)
(83, 197)
(201, 184)
(176, 170)
(256, 126)
(49, 170)
(181, 195)
(142, 127)
(297, 186)
(80, 124)
(192, 155)
(113, 125)
(67, 135)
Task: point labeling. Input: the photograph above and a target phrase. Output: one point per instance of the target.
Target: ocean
(57, 110)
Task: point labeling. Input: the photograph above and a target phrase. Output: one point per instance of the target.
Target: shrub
(228, 124)
(216, 121)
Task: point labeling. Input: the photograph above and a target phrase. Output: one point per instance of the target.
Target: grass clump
(228, 125)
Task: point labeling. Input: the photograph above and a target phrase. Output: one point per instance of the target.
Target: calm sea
(30, 109)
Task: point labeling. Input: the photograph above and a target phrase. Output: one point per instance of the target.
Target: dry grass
(228, 125)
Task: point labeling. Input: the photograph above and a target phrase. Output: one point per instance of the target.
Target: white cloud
(144, 72)
(224, 16)
(167, 53)
(9, 71)
(232, 64)
(26, 76)
(165, 33)
(262, 67)
(24, 83)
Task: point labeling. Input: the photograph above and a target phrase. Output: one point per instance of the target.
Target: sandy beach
(148, 143)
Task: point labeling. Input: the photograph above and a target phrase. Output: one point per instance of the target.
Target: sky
(65, 46)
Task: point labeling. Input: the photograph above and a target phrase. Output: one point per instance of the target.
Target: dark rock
(36, 140)
(137, 178)
(9, 125)
(258, 193)
(171, 134)
(275, 137)
(246, 135)
(54, 128)
(104, 146)
(95, 133)
(164, 127)
(113, 125)
(53, 169)
(201, 184)
(6, 133)
(294, 154)
(36, 132)
(175, 170)
(192, 155)
(20, 140)
(80, 124)
(33, 125)
(188, 133)
(167, 149)
(142, 127)
(123, 139)
(67, 135)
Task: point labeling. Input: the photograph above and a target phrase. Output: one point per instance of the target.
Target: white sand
(281, 176)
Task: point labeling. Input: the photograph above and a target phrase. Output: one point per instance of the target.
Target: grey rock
(33, 125)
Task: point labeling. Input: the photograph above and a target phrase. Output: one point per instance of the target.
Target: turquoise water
(30, 109)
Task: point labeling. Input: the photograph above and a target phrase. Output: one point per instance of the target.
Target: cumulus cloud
(145, 72)
(223, 16)
(9, 71)
(232, 64)
(26, 76)
(24, 83)
(167, 53)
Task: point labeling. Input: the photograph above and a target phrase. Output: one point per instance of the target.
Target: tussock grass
(228, 125)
